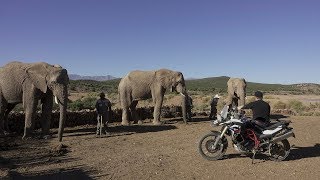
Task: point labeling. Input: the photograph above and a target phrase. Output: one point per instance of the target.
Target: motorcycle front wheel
(279, 151)
(207, 150)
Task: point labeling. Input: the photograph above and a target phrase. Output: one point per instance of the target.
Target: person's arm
(97, 107)
(109, 106)
(248, 106)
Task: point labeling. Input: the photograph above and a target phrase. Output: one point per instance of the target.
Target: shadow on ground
(119, 130)
(304, 152)
(277, 116)
(68, 174)
(18, 156)
(296, 153)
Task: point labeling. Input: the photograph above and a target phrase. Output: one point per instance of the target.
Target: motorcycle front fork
(220, 137)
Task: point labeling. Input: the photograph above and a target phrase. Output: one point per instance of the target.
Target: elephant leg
(125, 116)
(133, 110)
(47, 104)
(30, 106)
(6, 115)
(3, 107)
(2, 121)
(229, 100)
(157, 111)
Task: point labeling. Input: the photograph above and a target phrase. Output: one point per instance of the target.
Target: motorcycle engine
(241, 144)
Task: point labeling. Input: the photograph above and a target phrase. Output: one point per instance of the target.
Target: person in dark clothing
(214, 103)
(103, 108)
(189, 106)
(260, 110)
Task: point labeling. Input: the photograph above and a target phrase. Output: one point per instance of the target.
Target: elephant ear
(38, 73)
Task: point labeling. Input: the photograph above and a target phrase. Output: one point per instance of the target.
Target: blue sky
(274, 41)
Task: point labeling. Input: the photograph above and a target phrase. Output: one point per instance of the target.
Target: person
(214, 103)
(260, 110)
(103, 108)
(189, 106)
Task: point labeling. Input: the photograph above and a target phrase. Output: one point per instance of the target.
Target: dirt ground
(153, 152)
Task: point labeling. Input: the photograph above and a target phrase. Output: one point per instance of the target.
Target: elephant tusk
(183, 95)
(56, 100)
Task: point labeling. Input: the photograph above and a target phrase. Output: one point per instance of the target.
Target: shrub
(206, 100)
(296, 106)
(85, 103)
(251, 99)
(280, 105)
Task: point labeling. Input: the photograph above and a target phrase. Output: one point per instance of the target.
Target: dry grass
(300, 104)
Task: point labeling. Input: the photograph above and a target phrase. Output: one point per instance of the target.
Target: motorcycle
(252, 139)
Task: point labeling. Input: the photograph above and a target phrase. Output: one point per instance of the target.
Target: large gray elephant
(141, 85)
(28, 83)
(236, 91)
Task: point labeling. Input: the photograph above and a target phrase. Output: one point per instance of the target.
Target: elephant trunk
(63, 115)
(242, 99)
(242, 93)
(62, 98)
(184, 95)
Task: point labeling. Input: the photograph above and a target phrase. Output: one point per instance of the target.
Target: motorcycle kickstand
(253, 157)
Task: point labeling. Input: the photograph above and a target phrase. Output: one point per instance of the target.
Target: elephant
(29, 83)
(236, 90)
(141, 85)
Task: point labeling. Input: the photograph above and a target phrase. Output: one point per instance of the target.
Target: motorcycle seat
(274, 125)
(264, 136)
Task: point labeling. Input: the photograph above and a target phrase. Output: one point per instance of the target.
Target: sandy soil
(153, 152)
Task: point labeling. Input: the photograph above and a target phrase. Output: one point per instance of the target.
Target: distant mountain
(95, 78)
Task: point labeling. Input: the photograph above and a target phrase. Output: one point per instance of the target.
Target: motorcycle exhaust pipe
(282, 137)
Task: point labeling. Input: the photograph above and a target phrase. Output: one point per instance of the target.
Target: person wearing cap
(214, 103)
(103, 108)
(260, 110)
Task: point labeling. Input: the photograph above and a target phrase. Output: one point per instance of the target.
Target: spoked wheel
(280, 150)
(207, 150)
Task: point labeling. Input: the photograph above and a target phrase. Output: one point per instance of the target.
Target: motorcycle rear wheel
(205, 146)
(279, 151)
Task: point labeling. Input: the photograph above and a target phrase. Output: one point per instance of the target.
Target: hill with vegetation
(95, 78)
(205, 85)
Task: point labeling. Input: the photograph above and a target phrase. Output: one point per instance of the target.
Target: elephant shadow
(19, 154)
(140, 128)
(304, 152)
(200, 119)
(120, 130)
(70, 173)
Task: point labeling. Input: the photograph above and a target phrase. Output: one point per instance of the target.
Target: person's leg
(98, 125)
(211, 113)
(104, 123)
(214, 113)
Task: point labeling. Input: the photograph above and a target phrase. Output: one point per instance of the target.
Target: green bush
(85, 103)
